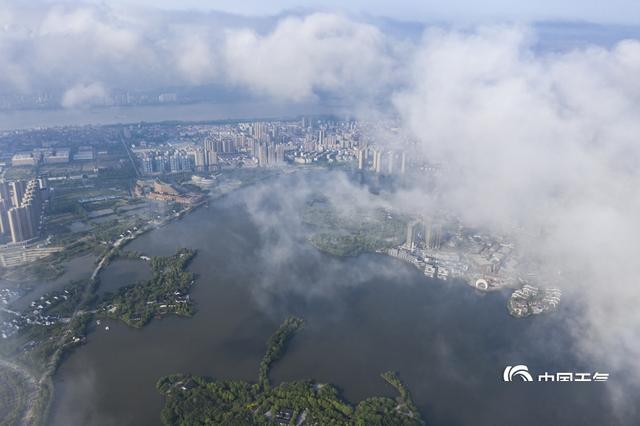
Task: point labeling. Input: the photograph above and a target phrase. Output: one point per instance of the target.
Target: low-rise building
(24, 159)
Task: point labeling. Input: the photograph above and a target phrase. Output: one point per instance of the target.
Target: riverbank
(47, 392)
(41, 389)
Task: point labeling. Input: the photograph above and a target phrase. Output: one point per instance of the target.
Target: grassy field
(353, 231)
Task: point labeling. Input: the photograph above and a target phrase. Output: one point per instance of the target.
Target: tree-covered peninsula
(194, 400)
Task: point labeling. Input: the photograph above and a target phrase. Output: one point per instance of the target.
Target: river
(26, 119)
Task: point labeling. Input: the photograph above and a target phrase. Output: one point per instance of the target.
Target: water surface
(364, 315)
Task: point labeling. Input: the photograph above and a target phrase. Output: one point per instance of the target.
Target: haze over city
(379, 179)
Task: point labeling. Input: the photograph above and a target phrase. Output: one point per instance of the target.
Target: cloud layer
(58, 47)
(546, 148)
(543, 146)
(84, 95)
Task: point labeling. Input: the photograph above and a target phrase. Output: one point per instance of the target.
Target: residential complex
(21, 208)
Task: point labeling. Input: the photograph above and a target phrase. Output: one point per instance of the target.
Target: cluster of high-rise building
(167, 162)
(205, 158)
(272, 143)
(176, 161)
(21, 208)
(425, 231)
(267, 144)
(268, 153)
(342, 136)
(223, 146)
(261, 141)
(384, 162)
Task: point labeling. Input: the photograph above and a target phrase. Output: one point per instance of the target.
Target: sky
(597, 11)
(82, 52)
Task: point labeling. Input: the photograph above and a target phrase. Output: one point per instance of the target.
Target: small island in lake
(167, 292)
(194, 400)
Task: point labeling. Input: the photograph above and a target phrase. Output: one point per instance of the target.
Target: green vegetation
(129, 254)
(165, 293)
(352, 231)
(276, 346)
(350, 244)
(405, 403)
(193, 400)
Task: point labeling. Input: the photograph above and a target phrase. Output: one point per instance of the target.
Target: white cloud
(293, 58)
(301, 56)
(195, 61)
(82, 95)
(546, 145)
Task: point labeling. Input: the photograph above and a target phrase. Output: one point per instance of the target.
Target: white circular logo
(522, 371)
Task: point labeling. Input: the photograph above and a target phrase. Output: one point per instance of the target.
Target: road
(133, 160)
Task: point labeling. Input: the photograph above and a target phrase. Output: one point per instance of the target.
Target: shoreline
(94, 281)
(38, 407)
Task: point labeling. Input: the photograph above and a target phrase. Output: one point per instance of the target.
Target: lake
(364, 315)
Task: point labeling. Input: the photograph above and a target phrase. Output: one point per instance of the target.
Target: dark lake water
(364, 315)
(123, 272)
